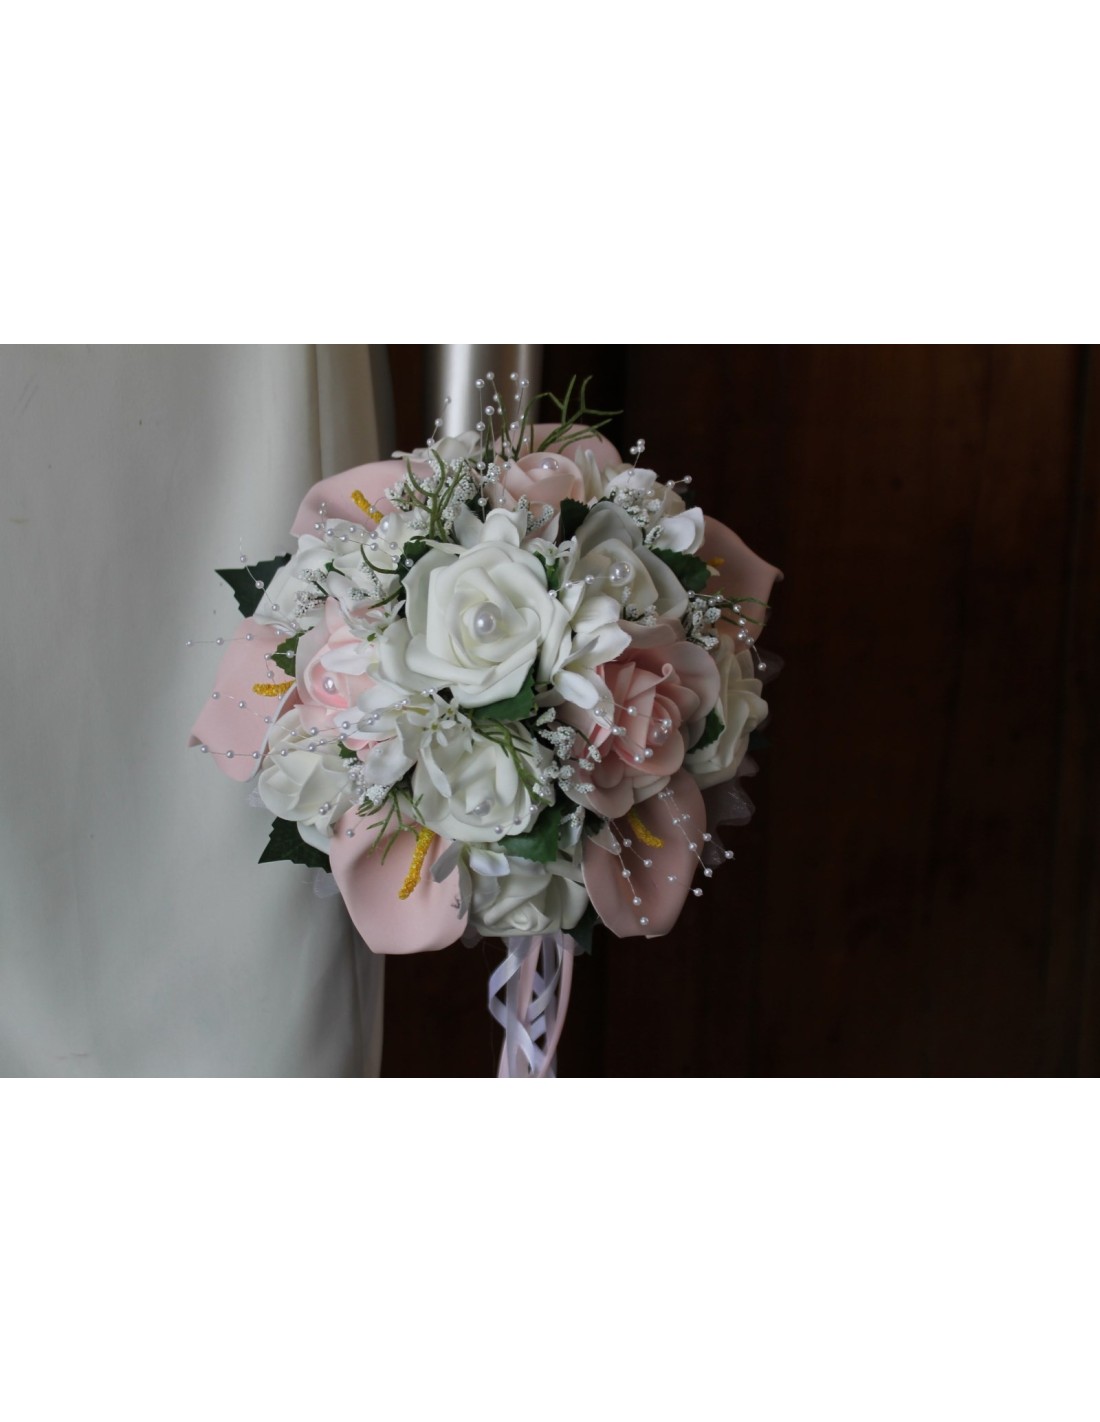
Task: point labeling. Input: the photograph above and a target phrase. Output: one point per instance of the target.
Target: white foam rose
(281, 604)
(610, 550)
(529, 898)
(307, 786)
(468, 787)
(741, 708)
(476, 618)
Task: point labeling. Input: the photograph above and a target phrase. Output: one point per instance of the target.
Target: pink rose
(331, 675)
(657, 699)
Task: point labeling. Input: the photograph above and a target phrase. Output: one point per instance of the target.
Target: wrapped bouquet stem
(503, 687)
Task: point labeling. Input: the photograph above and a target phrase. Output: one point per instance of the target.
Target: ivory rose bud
(610, 550)
(741, 708)
(530, 898)
(308, 786)
(468, 787)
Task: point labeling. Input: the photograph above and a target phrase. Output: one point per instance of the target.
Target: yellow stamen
(412, 878)
(646, 836)
(272, 688)
(714, 562)
(361, 501)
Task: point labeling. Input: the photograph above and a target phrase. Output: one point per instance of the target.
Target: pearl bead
(229, 755)
(329, 685)
(644, 921)
(219, 641)
(203, 749)
(485, 620)
(619, 573)
(549, 463)
(698, 893)
(482, 808)
(658, 735)
(214, 695)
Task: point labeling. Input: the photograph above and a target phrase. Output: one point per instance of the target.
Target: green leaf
(691, 571)
(287, 843)
(573, 514)
(713, 727)
(285, 655)
(412, 552)
(540, 843)
(345, 752)
(243, 581)
(581, 932)
(514, 708)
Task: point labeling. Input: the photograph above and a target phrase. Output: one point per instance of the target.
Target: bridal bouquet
(503, 687)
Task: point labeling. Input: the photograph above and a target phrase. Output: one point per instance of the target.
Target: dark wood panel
(918, 890)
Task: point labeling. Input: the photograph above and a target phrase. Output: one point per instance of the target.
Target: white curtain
(138, 935)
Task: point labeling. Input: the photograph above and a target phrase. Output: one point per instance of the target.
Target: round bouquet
(504, 687)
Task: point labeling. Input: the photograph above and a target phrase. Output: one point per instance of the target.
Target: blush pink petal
(662, 900)
(742, 573)
(371, 480)
(428, 919)
(545, 486)
(222, 724)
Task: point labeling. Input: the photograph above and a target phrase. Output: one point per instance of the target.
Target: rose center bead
(619, 573)
(486, 620)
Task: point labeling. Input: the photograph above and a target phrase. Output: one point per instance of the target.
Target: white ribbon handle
(535, 976)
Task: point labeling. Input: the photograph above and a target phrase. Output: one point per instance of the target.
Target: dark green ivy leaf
(540, 843)
(285, 655)
(345, 752)
(582, 931)
(691, 571)
(713, 727)
(243, 581)
(514, 708)
(573, 514)
(412, 552)
(287, 843)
